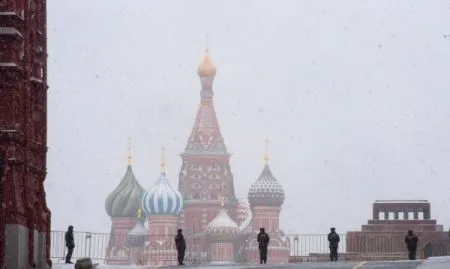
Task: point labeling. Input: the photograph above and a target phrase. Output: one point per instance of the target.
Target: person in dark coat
(180, 244)
(70, 243)
(333, 240)
(263, 244)
(411, 241)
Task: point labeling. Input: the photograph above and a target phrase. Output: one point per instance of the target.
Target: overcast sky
(353, 95)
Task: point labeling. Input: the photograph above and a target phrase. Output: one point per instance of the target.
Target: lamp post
(297, 252)
(88, 238)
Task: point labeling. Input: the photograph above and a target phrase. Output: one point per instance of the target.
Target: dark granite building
(385, 232)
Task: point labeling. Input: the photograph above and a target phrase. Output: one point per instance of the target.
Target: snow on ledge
(63, 266)
(401, 202)
(126, 267)
(72, 266)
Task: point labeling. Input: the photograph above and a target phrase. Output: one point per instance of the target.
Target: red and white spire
(206, 136)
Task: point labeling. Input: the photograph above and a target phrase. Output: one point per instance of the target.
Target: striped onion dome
(125, 199)
(162, 199)
(266, 191)
(242, 209)
(222, 227)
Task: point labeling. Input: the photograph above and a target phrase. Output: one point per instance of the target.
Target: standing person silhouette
(333, 240)
(180, 244)
(70, 243)
(263, 242)
(411, 241)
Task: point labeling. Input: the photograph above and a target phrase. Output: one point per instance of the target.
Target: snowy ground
(433, 263)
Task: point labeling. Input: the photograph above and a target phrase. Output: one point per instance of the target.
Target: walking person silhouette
(70, 243)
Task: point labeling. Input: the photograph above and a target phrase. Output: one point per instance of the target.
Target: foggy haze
(353, 95)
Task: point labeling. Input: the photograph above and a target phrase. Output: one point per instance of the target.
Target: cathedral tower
(122, 205)
(162, 204)
(205, 162)
(266, 196)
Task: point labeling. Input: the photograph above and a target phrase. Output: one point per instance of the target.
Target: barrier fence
(303, 247)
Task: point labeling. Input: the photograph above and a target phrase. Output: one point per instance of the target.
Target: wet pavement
(432, 263)
(436, 263)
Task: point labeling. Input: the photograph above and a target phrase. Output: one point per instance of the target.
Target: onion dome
(222, 227)
(162, 198)
(125, 199)
(242, 209)
(206, 68)
(246, 226)
(266, 191)
(138, 234)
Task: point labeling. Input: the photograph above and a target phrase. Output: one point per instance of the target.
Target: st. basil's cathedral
(218, 226)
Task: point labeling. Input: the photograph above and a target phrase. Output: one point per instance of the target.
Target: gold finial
(163, 161)
(266, 154)
(139, 212)
(222, 196)
(206, 68)
(130, 158)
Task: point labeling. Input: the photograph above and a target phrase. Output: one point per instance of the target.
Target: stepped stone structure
(391, 219)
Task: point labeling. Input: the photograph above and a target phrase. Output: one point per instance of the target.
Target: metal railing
(87, 244)
(303, 247)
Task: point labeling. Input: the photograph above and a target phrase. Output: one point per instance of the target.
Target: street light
(88, 238)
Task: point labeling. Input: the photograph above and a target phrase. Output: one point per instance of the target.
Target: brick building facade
(25, 218)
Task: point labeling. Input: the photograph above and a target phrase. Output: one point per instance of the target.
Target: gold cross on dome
(130, 158)
(266, 153)
(206, 43)
(163, 161)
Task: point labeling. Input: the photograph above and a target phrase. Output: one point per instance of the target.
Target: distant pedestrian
(411, 241)
(180, 244)
(70, 243)
(263, 244)
(333, 240)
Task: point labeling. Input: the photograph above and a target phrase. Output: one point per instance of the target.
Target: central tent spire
(206, 135)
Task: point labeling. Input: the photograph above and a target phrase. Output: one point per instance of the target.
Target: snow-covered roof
(138, 229)
(222, 224)
(10, 31)
(401, 202)
(9, 64)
